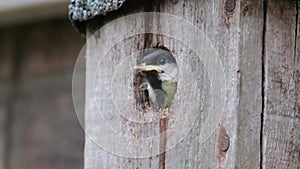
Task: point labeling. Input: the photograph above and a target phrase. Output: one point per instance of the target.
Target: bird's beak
(148, 68)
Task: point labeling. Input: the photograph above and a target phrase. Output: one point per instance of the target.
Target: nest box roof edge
(83, 10)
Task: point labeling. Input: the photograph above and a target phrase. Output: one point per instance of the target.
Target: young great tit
(160, 71)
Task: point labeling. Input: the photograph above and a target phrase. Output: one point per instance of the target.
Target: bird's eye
(162, 61)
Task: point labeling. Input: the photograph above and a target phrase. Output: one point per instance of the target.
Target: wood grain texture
(125, 125)
(250, 84)
(281, 139)
(237, 37)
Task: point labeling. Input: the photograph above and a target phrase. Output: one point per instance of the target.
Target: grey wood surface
(250, 84)
(261, 120)
(281, 133)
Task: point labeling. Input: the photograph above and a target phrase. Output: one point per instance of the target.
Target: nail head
(225, 142)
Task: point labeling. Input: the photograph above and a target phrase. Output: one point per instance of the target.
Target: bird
(160, 71)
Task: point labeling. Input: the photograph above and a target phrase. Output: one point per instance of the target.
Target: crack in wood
(265, 7)
(163, 125)
(296, 30)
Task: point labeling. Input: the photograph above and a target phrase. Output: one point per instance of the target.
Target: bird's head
(161, 61)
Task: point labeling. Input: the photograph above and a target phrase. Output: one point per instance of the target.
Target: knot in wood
(230, 5)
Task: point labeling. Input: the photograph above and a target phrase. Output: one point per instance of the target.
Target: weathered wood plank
(250, 84)
(240, 33)
(281, 139)
(123, 56)
(235, 40)
(221, 28)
